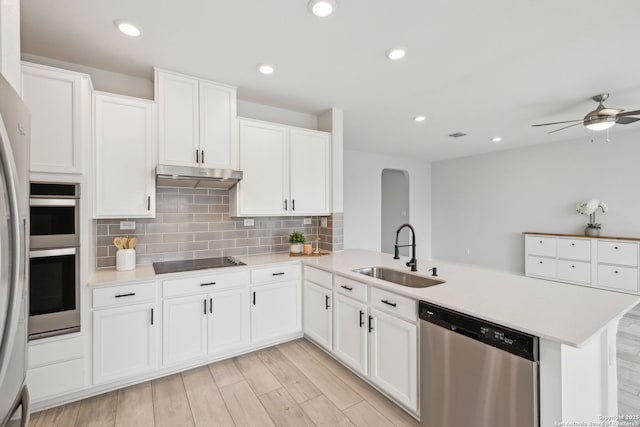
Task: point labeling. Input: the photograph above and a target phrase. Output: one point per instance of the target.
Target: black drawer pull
(541, 262)
(573, 266)
(152, 316)
(278, 274)
(573, 244)
(392, 304)
(615, 272)
(130, 294)
(370, 323)
(615, 247)
(207, 284)
(210, 305)
(346, 287)
(254, 298)
(361, 318)
(205, 306)
(540, 241)
(326, 302)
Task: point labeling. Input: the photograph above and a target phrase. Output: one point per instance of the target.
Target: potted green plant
(296, 239)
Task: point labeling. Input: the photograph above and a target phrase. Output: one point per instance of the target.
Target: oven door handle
(53, 202)
(53, 252)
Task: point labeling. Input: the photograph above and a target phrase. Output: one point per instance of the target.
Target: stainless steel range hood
(193, 177)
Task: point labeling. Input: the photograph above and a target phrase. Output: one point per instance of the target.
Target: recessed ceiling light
(419, 119)
(322, 8)
(266, 69)
(396, 53)
(128, 28)
(496, 139)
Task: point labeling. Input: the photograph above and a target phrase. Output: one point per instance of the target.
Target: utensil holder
(125, 259)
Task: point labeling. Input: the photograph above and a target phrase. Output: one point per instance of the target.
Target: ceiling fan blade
(610, 111)
(630, 113)
(557, 123)
(626, 120)
(566, 127)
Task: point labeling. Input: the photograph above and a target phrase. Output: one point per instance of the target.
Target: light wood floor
(293, 384)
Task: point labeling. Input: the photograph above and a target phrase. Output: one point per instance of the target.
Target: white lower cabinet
(350, 343)
(393, 359)
(125, 341)
(199, 325)
(275, 311)
(318, 313)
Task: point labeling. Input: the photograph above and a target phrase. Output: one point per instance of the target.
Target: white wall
(251, 110)
(10, 42)
(484, 203)
(363, 194)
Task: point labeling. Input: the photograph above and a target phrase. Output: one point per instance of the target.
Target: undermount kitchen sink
(398, 277)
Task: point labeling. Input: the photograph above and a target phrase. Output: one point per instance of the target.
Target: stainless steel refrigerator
(14, 169)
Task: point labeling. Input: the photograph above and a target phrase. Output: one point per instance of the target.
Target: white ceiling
(486, 68)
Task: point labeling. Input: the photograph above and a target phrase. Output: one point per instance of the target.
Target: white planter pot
(296, 248)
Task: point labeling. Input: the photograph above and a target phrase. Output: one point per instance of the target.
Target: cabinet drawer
(623, 253)
(537, 266)
(48, 352)
(543, 246)
(574, 271)
(53, 380)
(278, 273)
(622, 278)
(125, 294)
(350, 288)
(404, 307)
(319, 277)
(211, 282)
(574, 249)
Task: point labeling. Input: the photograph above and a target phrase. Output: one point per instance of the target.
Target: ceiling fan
(601, 118)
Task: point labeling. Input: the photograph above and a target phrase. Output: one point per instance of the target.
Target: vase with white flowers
(590, 207)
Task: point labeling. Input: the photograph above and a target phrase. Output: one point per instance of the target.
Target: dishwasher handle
(466, 332)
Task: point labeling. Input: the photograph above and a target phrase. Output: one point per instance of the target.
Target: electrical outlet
(307, 221)
(127, 225)
(249, 222)
(323, 222)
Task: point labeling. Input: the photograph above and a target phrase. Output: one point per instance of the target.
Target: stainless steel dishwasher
(475, 373)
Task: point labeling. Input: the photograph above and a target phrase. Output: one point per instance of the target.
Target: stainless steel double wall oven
(54, 280)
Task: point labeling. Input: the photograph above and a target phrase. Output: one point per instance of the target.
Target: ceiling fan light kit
(602, 118)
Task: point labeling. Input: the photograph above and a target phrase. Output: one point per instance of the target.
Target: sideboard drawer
(124, 294)
(544, 267)
(574, 249)
(543, 246)
(574, 271)
(621, 253)
(622, 278)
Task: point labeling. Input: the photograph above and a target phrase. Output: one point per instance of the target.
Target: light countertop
(564, 313)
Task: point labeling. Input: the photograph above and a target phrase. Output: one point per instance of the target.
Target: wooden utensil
(125, 242)
(133, 242)
(117, 242)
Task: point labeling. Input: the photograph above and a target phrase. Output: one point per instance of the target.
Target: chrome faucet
(413, 263)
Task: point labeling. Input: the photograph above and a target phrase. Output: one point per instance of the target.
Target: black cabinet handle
(278, 274)
(197, 156)
(148, 203)
(205, 306)
(326, 302)
(130, 294)
(370, 323)
(293, 205)
(152, 316)
(615, 247)
(615, 272)
(210, 305)
(392, 304)
(540, 241)
(573, 266)
(346, 287)
(202, 157)
(207, 284)
(541, 262)
(285, 205)
(254, 298)
(573, 244)
(361, 318)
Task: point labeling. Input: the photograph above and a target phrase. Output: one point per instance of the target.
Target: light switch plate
(127, 225)
(249, 222)
(307, 221)
(323, 222)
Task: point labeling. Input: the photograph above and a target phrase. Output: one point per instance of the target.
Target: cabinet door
(350, 331)
(394, 351)
(310, 172)
(275, 311)
(55, 100)
(123, 157)
(264, 160)
(318, 314)
(178, 117)
(228, 320)
(184, 329)
(125, 341)
(218, 126)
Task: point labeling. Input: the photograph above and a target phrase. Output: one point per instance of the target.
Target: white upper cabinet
(286, 171)
(123, 157)
(310, 172)
(198, 125)
(60, 109)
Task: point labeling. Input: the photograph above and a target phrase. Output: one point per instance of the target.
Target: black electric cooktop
(195, 264)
